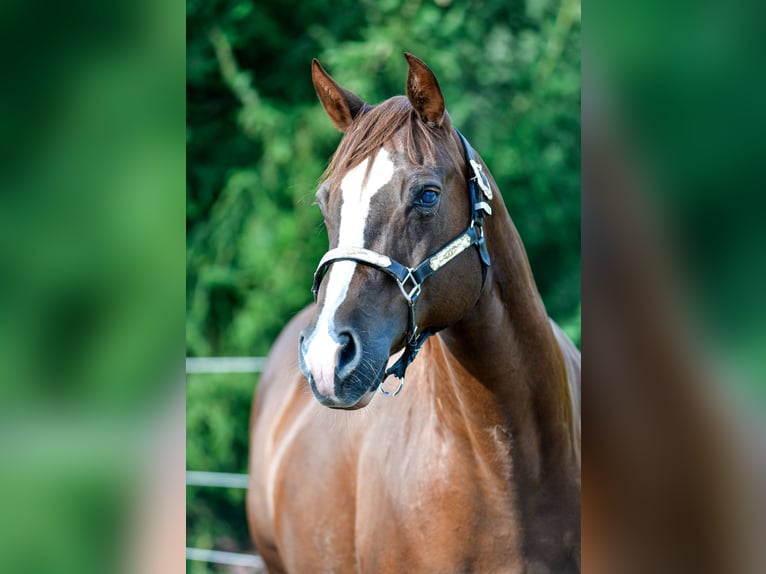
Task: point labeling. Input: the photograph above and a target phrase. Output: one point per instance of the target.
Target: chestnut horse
(475, 465)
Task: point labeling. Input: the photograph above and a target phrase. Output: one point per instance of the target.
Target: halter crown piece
(410, 279)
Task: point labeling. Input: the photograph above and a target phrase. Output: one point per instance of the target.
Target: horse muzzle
(343, 371)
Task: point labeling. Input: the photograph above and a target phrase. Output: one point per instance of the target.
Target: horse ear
(340, 104)
(423, 91)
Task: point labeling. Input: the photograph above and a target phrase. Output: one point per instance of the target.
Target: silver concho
(450, 252)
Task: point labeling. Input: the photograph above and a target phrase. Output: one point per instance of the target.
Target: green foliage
(257, 142)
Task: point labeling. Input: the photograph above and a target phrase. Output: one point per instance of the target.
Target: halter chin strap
(410, 279)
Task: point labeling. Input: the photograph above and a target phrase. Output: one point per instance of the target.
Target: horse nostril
(348, 356)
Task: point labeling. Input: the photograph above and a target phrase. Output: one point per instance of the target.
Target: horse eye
(428, 198)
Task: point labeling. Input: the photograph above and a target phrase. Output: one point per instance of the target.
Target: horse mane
(374, 126)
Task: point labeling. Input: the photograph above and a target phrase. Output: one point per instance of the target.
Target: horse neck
(507, 345)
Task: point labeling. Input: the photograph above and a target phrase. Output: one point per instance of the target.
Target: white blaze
(322, 348)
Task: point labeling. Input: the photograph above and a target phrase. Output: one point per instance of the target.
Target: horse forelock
(393, 122)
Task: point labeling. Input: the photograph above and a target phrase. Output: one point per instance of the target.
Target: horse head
(401, 214)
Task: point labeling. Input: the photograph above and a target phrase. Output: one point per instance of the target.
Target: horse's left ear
(424, 92)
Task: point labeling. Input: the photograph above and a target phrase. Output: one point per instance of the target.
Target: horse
(473, 464)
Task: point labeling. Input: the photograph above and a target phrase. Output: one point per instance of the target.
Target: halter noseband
(410, 279)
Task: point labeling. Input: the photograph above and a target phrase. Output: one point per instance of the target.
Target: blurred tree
(257, 142)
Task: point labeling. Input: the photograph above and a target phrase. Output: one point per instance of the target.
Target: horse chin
(363, 401)
(349, 403)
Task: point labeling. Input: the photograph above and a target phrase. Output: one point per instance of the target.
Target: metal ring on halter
(413, 293)
(389, 393)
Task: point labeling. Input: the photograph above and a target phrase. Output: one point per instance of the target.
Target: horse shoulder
(277, 404)
(301, 502)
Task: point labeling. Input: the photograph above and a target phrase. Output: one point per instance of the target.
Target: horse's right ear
(341, 105)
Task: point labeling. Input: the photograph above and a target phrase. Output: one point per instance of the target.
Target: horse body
(473, 468)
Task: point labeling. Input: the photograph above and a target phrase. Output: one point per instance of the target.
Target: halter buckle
(481, 178)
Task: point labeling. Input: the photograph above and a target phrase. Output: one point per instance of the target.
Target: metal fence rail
(216, 479)
(225, 364)
(222, 479)
(230, 558)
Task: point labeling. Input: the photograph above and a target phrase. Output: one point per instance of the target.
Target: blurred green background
(258, 140)
(91, 275)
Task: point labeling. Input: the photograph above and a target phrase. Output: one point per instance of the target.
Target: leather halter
(410, 279)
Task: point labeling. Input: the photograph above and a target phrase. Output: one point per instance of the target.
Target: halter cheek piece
(410, 279)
